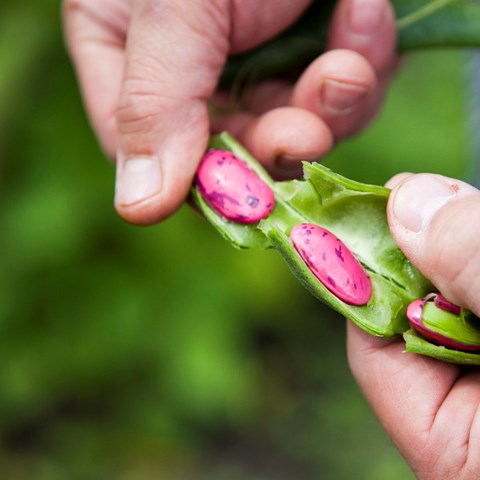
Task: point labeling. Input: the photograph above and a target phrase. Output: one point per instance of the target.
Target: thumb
(174, 54)
(435, 220)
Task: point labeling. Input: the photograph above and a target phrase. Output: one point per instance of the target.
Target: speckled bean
(415, 318)
(332, 263)
(231, 188)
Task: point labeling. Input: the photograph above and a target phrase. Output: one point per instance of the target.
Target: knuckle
(144, 106)
(73, 7)
(87, 20)
(70, 10)
(70, 5)
(139, 110)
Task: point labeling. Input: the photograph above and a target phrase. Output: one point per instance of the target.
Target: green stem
(421, 13)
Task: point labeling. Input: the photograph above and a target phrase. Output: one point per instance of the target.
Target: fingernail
(418, 199)
(366, 16)
(138, 178)
(340, 97)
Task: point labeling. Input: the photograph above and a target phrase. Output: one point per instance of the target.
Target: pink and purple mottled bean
(231, 188)
(441, 302)
(332, 263)
(414, 315)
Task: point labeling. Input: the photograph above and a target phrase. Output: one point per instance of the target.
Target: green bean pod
(322, 203)
(353, 212)
(353, 216)
(443, 330)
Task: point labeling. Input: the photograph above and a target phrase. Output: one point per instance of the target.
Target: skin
(148, 71)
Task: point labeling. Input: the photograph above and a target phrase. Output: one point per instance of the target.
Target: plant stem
(421, 13)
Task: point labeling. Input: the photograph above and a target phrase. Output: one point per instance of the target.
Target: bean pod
(333, 234)
(444, 323)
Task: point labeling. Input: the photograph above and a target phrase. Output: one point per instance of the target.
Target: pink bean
(232, 189)
(332, 263)
(414, 315)
(441, 302)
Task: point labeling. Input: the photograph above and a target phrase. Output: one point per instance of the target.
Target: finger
(339, 87)
(401, 388)
(436, 222)
(95, 37)
(283, 137)
(267, 95)
(368, 28)
(233, 123)
(261, 98)
(254, 22)
(162, 115)
(397, 179)
(425, 406)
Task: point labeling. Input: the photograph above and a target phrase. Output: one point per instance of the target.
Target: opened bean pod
(333, 233)
(240, 195)
(445, 324)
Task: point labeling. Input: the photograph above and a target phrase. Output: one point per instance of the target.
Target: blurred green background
(163, 353)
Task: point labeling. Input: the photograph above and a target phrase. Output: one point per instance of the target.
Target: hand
(148, 68)
(430, 409)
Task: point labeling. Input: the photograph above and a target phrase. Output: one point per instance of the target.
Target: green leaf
(438, 23)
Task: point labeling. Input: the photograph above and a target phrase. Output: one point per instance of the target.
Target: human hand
(431, 409)
(148, 68)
